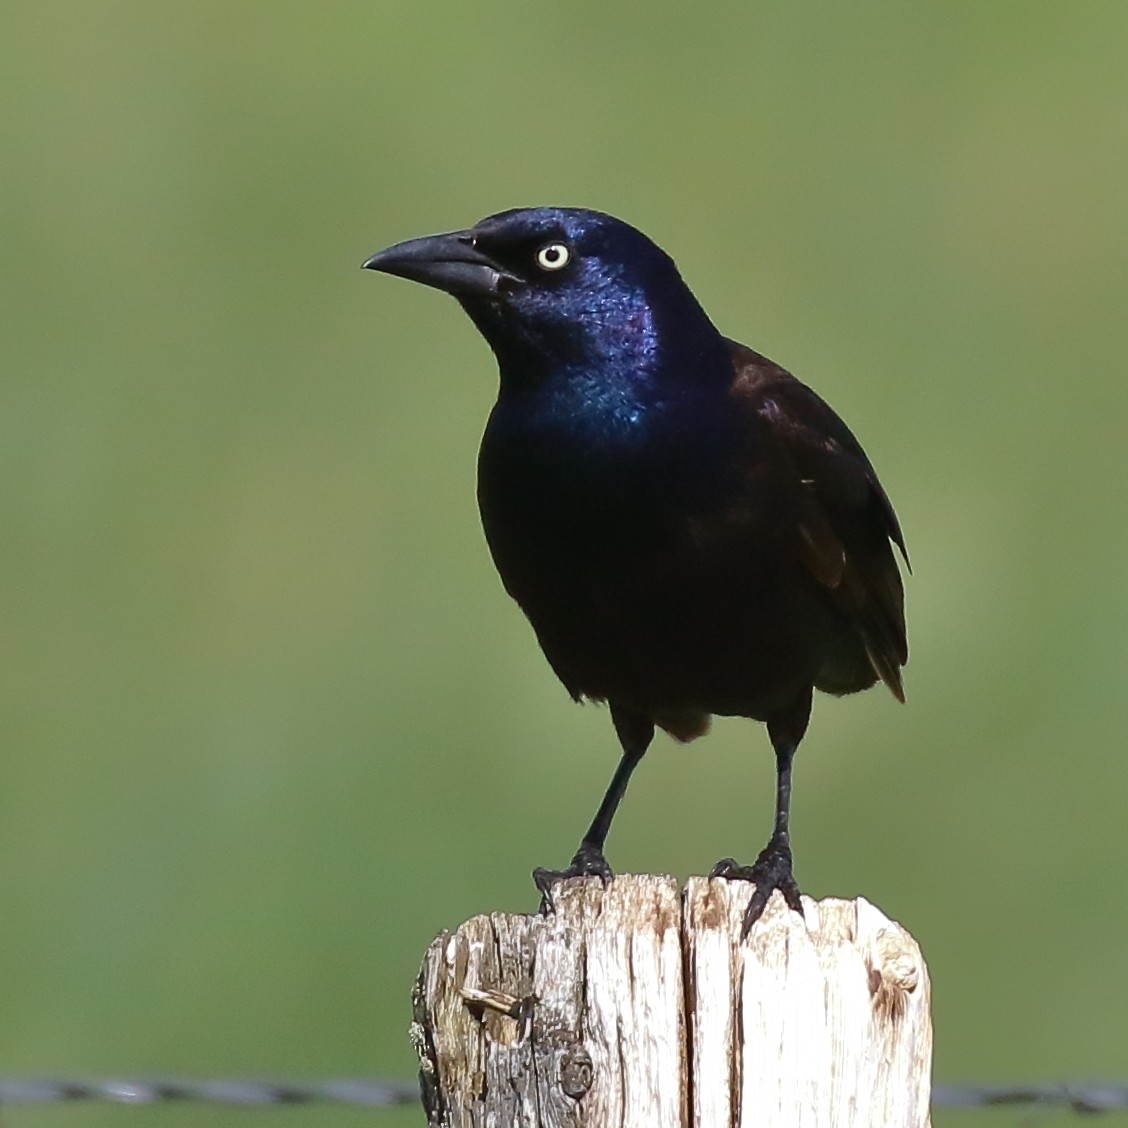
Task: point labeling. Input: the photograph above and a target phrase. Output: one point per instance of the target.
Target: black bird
(689, 529)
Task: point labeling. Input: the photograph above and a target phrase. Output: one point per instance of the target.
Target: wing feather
(846, 525)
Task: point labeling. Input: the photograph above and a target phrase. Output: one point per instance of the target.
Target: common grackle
(689, 529)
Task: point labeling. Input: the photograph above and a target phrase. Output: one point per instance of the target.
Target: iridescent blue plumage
(604, 341)
(689, 529)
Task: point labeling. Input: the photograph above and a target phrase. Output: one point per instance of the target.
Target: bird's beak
(448, 262)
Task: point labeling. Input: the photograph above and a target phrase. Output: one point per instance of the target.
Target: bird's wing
(845, 520)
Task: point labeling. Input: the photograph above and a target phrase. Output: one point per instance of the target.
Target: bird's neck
(614, 370)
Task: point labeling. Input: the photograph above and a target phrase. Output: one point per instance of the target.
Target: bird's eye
(553, 256)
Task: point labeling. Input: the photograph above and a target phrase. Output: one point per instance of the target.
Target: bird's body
(680, 573)
(690, 530)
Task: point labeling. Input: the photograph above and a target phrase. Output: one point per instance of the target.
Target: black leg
(635, 734)
(772, 869)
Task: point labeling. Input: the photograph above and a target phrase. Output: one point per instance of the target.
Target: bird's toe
(772, 870)
(588, 861)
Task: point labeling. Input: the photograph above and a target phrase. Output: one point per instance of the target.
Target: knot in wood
(893, 971)
(576, 1070)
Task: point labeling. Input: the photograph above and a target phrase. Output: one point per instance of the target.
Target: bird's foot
(588, 861)
(769, 872)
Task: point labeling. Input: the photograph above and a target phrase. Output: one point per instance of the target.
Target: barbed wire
(361, 1091)
(1086, 1097)
(1090, 1096)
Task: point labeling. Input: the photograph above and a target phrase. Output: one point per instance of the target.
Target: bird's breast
(646, 570)
(573, 493)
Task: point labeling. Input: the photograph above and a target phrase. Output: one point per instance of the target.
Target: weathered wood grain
(636, 1005)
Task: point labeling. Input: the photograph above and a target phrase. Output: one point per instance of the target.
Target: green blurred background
(269, 720)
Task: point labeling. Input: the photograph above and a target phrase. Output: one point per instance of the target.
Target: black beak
(448, 262)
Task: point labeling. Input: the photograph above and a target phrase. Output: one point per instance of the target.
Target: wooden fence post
(637, 1006)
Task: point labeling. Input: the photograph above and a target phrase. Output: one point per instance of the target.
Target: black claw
(728, 869)
(588, 861)
(770, 871)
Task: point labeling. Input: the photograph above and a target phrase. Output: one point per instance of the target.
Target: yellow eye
(553, 256)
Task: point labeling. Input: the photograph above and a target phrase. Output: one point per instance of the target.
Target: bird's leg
(772, 869)
(635, 734)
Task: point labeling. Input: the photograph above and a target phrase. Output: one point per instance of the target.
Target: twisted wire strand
(360, 1091)
(1087, 1097)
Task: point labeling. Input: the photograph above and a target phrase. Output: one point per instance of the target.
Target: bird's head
(559, 288)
